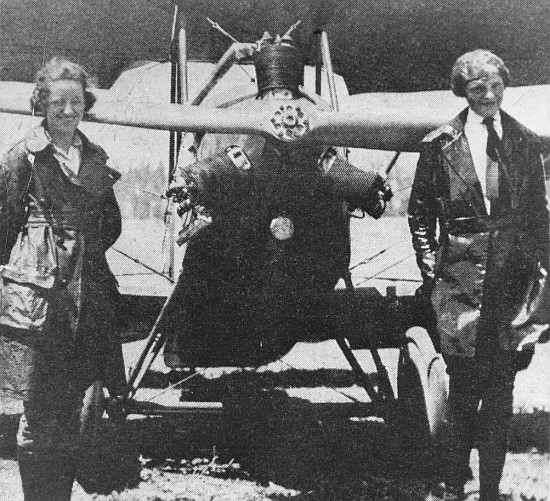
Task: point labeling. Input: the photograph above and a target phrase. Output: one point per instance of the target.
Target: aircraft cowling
(279, 238)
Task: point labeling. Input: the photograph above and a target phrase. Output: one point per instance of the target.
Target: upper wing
(377, 45)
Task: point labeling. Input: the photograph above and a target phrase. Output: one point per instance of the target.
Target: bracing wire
(143, 190)
(174, 385)
(146, 266)
(334, 389)
(376, 275)
(216, 26)
(375, 255)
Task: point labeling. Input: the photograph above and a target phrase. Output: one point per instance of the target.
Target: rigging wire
(216, 26)
(137, 261)
(44, 43)
(376, 275)
(177, 383)
(143, 190)
(379, 253)
(333, 388)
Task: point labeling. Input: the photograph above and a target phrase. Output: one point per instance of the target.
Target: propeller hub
(289, 122)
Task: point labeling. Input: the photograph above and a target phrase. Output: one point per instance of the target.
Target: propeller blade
(176, 117)
(384, 130)
(15, 98)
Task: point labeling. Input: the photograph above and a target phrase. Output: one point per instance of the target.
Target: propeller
(287, 121)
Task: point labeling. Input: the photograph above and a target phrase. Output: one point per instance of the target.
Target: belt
(68, 219)
(482, 224)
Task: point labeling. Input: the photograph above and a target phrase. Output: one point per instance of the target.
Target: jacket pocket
(27, 278)
(23, 306)
(33, 258)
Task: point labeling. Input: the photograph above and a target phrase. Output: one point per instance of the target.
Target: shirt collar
(473, 119)
(77, 143)
(39, 139)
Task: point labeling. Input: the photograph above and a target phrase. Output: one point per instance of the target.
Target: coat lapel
(464, 183)
(512, 163)
(94, 175)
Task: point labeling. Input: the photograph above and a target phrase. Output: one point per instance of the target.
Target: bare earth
(526, 478)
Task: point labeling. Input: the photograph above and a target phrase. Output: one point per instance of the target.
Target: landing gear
(421, 394)
(92, 410)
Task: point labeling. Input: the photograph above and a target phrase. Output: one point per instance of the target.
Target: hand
(386, 193)
(522, 358)
(183, 194)
(116, 408)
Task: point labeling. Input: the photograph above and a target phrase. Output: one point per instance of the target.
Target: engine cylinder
(279, 66)
(359, 188)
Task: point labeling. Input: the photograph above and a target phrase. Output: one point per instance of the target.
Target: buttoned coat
(486, 272)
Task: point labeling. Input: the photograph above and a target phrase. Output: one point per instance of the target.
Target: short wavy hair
(58, 68)
(469, 66)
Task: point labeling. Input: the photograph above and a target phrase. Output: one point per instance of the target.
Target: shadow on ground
(289, 445)
(273, 440)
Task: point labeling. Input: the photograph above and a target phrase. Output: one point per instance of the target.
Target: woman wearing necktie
(479, 220)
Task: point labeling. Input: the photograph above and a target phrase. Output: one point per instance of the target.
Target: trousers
(48, 380)
(480, 410)
(48, 439)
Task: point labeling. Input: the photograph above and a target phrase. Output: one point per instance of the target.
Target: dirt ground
(297, 459)
(274, 455)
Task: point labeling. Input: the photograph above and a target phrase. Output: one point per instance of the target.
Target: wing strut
(327, 63)
(385, 392)
(174, 140)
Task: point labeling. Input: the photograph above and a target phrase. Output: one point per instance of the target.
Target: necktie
(493, 144)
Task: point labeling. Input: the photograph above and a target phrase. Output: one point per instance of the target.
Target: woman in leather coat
(478, 215)
(59, 215)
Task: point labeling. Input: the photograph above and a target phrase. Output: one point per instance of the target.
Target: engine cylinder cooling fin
(365, 190)
(219, 179)
(279, 66)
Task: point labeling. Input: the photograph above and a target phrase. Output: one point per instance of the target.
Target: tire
(421, 394)
(108, 454)
(91, 414)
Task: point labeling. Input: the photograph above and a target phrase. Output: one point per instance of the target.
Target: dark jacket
(487, 272)
(54, 232)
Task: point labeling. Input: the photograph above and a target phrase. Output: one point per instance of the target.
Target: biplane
(262, 177)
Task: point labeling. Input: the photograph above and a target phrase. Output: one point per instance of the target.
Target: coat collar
(94, 174)
(456, 152)
(513, 135)
(511, 128)
(38, 139)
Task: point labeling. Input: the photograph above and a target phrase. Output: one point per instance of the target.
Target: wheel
(108, 456)
(91, 414)
(421, 393)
